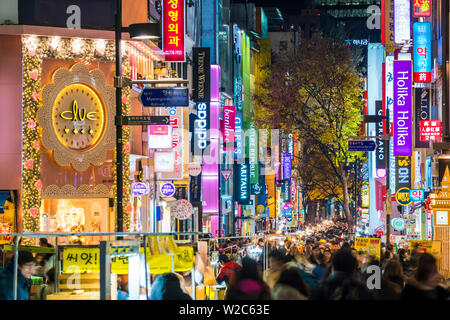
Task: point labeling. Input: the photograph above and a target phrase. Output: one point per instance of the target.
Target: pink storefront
(57, 128)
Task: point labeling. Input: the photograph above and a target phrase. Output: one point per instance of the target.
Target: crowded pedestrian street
(225, 158)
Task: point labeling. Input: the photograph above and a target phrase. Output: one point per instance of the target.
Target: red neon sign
(430, 130)
(173, 30)
(421, 8)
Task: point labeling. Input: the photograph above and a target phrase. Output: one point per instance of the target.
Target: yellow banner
(429, 246)
(370, 245)
(184, 259)
(159, 260)
(79, 260)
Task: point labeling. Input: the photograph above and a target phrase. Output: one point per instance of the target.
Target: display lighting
(31, 74)
(100, 46)
(55, 43)
(77, 45)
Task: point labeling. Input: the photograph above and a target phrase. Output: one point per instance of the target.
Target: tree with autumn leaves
(317, 92)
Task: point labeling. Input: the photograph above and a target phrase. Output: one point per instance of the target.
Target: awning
(3, 197)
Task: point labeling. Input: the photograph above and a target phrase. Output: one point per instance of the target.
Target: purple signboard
(210, 168)
(287, 166)
(167, 189)
(402, 108)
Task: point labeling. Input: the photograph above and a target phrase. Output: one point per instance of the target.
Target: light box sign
(389, 91)
(402, 173)
(173, 31)
(164, 161)
(423, 112)
(416, 195)
(242, 183)
(422, 51)
(389, 43)
(380, 151)
(402, 21)
(430, 130)
(228, 126)
(237, 59)
(201, 128)
(159, 137)
(253, 154)
(176, 122)
(239, 137)
(201, 74)
(287, 165)
(421, 8)
(402, 108)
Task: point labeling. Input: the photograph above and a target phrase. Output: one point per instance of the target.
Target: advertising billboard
(422, 51)
(173, 32)
(402, 108)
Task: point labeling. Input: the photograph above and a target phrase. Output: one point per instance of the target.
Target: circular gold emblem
(78, 117)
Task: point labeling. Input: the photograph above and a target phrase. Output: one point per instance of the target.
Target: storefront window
(76, 215)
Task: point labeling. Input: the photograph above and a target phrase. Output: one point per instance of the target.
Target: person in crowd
(414, 258)
(425, 285)
(402, 255)
(25, 269)
(327, 257)
(321, 268)
(293, 253)
(290, 286)
(248, 283)
(314, 258)
(122, 287)
(386, 257)
(261, 256)
(228, 268)
(342, 283)
(167, 287)
(48, 287)
(392, 282)
(277, 259)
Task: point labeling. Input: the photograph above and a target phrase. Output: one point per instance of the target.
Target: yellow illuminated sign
(372, 246)
(78, 117)
(402, 196)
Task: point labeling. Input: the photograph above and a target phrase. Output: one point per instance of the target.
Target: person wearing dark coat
(426, 282)
(247, 284)
(342, 283)
(25, 265)
(167, 287)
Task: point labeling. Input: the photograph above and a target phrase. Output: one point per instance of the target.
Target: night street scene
(226, 155)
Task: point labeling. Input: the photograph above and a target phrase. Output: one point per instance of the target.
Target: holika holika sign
(77, 117)
(402, 108)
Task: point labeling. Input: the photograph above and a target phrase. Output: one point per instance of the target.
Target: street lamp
(136, 31)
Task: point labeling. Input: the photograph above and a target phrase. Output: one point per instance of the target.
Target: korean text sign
(371, 246)
(173, 30)
(77, 260)
(402, 108)
(421, 8)
(422, 51)
(402, 21)
(430, 130)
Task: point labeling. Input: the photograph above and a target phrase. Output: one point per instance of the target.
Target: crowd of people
(321, 265)
(326, 266)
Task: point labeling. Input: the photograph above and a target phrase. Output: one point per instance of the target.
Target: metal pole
(105, 271)
(119, 142)
(56, 265)
(145, 266)
(16, 259)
